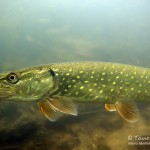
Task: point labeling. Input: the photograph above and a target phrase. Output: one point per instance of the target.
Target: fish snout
(6, 91)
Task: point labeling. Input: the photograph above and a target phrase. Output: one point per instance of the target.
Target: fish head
(30, 84)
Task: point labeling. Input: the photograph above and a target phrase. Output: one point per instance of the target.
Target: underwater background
(49, 31)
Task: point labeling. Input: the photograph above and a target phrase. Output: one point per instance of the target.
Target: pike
(57, 87)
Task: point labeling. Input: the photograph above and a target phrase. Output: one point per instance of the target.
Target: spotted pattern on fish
(102, 82)
(56, 86)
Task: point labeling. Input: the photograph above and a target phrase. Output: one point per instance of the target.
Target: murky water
(39, 32)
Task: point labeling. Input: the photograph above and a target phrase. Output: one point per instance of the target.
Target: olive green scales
(102, 82)
(56, 87)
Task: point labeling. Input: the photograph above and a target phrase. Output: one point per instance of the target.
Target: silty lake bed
(37, 32)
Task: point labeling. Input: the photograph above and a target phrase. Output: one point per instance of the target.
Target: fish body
(57, 86)
(102, 82)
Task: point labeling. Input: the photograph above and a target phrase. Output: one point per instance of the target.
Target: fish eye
(12, 78)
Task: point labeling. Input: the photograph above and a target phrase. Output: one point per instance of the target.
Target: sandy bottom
(22, 126)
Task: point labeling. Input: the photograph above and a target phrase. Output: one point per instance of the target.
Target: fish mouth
(6, 92)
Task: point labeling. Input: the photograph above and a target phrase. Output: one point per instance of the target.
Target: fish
(59, 87)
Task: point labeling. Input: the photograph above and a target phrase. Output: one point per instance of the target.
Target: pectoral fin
(49, 111)
(53, 108)
(127, 110)
(63, 105)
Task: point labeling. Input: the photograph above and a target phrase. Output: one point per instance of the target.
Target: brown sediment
(102, 130)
